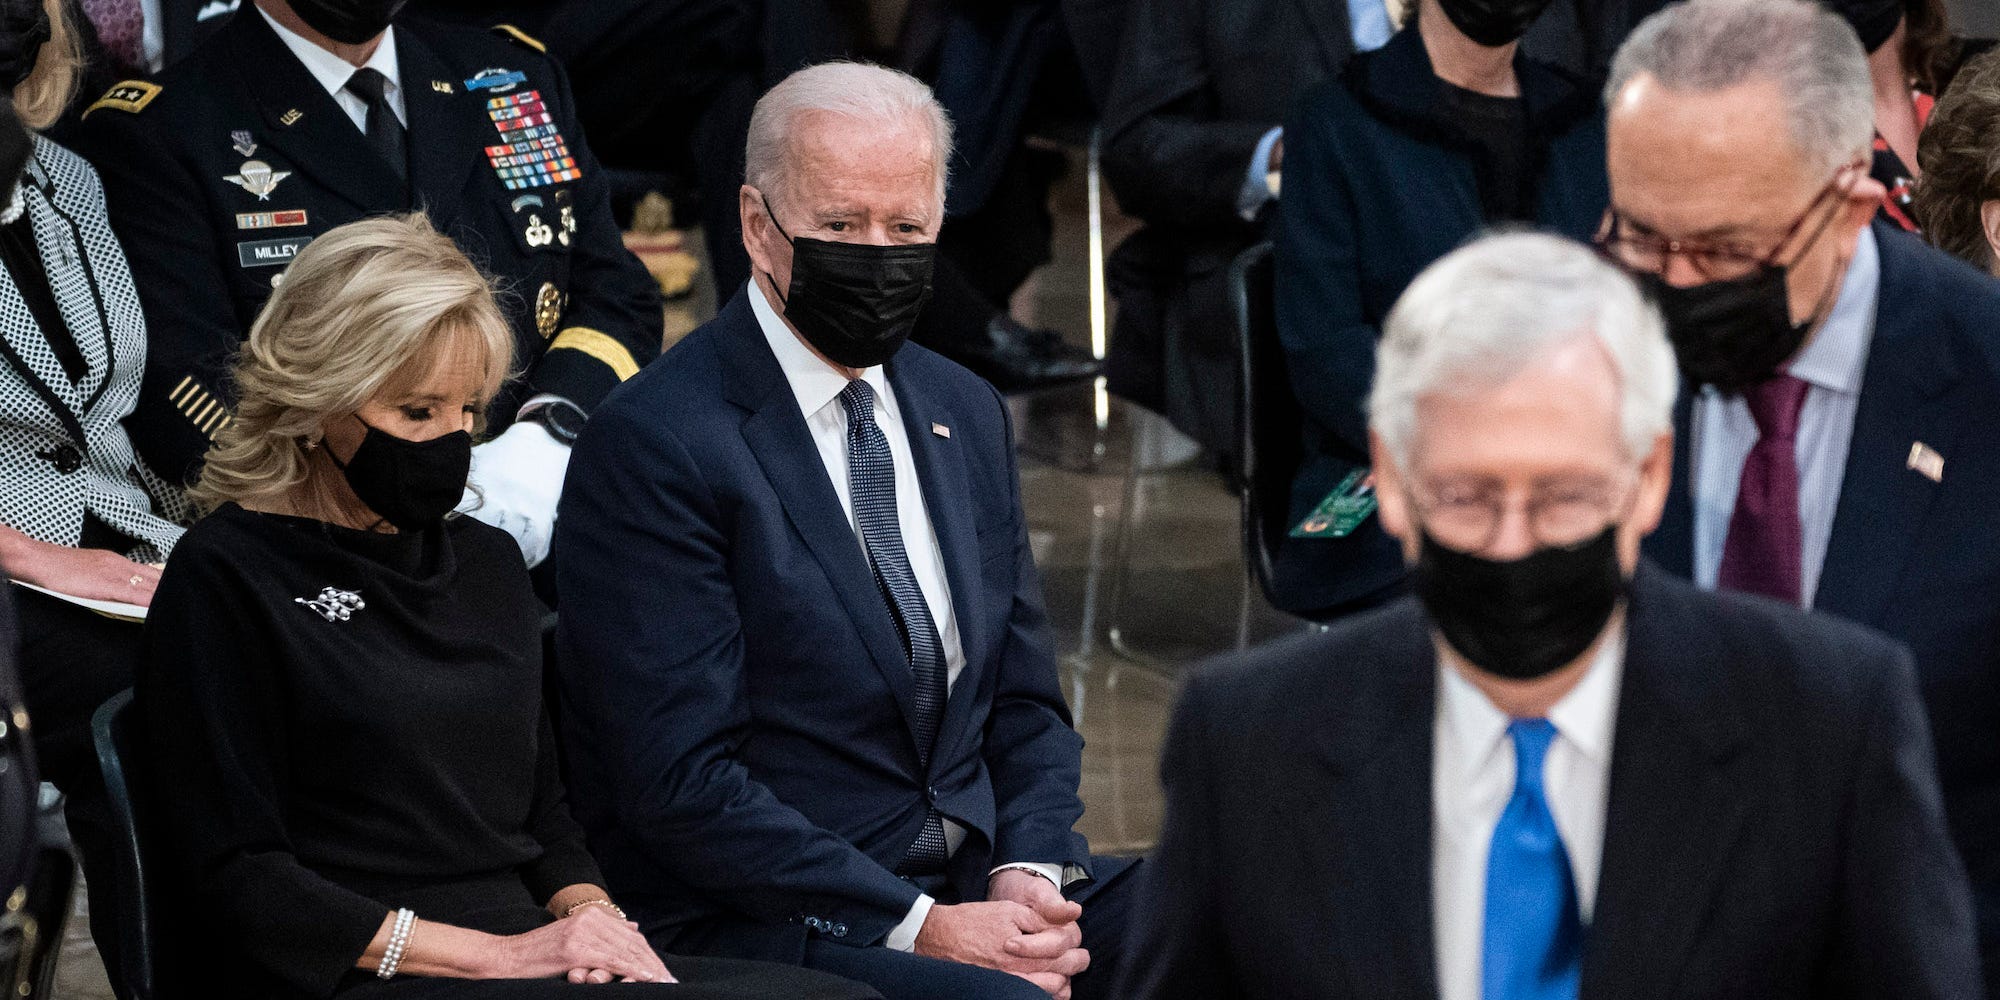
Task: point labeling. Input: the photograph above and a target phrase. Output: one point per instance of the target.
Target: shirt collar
(1585, 716)
(330, 70)
(814, 382)
(1838, 354)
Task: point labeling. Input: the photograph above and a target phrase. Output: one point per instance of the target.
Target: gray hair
(1488, 310)
(1810, 52)
(867, 94)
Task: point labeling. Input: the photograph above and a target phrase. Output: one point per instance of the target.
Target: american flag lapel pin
(941, 430)
(1927, 462)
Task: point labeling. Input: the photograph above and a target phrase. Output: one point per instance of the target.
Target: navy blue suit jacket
(1917, 559)
(737, 703)
(1773, 826)
(1380, 182)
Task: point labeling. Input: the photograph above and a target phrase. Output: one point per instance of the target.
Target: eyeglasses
(1649, 253)
(1467, 516)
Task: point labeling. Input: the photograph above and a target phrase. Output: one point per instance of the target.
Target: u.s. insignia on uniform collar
(243, 142)
(257, 177)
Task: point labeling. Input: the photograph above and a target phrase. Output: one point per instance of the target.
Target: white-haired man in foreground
(1552, 771)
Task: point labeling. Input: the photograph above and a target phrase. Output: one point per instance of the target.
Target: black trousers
(903, 976)
(72, 661)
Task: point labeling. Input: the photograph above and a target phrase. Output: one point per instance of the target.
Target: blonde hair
(46, 93)
(370, 308)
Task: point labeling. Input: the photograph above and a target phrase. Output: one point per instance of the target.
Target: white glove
(516, 480)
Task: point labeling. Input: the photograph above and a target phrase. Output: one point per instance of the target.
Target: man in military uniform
(302, 115)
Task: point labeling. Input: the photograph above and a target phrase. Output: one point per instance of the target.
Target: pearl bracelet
(613, 907)
(399, 941)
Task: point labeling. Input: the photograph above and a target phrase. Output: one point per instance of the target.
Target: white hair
(1810, 52)
(1478, 317)
(870, 96)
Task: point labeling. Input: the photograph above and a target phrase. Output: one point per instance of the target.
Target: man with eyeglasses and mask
(810, 697)
(1843, 377)
(302, 115)
(1554, 771)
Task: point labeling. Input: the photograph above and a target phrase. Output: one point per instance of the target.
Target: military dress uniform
(220, 173)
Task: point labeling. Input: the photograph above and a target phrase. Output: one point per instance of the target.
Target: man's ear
(1656, 477)
(1391, 503)
(1863, 200)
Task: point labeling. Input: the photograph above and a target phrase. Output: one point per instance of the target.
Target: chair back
(113, 730)
(1268, 415)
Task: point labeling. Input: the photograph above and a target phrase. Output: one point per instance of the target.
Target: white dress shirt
(1724, 431)
(818, 387)
(1472, 778)
(333, 72)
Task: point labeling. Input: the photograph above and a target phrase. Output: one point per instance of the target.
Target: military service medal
(548, 309)
(257, 177)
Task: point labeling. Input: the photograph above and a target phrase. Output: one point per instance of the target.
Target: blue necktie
(1533, 948)
(871, 485)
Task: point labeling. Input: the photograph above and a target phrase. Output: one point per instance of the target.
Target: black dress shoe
(1017, 359)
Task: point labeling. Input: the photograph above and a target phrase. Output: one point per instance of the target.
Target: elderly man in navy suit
(1553, 772)
(1844, 377)
(811, 707)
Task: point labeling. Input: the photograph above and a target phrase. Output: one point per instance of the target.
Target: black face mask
(1731, 334)
(412, 484)
(1525, 618)
(1873, 20)
(350, 22)
(1493, 23)
(24, 27)
(853, 302)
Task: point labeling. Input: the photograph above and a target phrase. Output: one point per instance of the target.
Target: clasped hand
(591, 946)
(1026, 928)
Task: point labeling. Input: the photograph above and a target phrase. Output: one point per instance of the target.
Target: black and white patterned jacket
(63, 445)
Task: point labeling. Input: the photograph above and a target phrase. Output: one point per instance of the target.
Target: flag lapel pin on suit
(1926, 462)
(941, 430)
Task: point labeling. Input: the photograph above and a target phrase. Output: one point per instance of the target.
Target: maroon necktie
(121, 26)
(1765, 546)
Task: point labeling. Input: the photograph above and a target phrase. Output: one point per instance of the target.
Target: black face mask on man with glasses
(1732, 333)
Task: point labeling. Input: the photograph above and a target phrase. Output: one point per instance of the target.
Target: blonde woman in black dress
(342, 682)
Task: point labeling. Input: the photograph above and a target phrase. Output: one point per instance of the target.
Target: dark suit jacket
(205, 251)
(1773, 827)
(1920, 560)
(1381, 184)
(737, 698)
(1197, 83)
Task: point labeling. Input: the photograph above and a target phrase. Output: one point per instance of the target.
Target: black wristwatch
(563, 418)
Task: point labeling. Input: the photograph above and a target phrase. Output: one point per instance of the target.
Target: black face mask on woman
(412, 484)
(24, 28)
(1493, 23)
(1523, 618)
(1873, 20)
(853, 302)
(350, 22)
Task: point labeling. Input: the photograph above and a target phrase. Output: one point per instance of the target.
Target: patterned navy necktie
(871, 484)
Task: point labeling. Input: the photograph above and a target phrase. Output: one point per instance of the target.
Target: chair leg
(1131, 512)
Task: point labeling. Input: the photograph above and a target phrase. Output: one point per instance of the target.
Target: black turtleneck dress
(346, 722)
